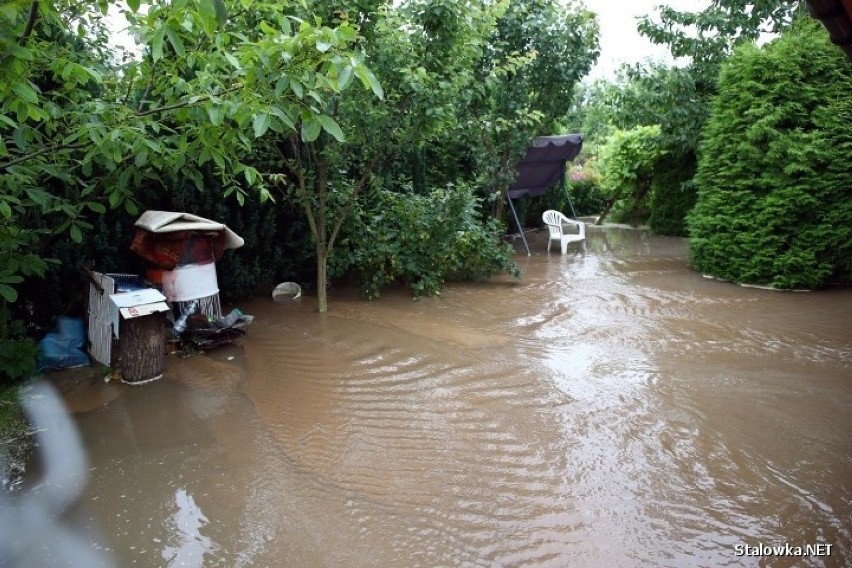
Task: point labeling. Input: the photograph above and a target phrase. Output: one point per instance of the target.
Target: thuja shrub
(425, 240)
(774, 179)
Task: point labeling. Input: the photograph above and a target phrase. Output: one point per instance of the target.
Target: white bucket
(190, 282)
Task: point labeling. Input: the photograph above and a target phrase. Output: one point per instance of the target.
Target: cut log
(141, 352)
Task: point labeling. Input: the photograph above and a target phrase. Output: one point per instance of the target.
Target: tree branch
(182, 104)
(302, 191)
(365, 177)
(39, 152)
(31, 21)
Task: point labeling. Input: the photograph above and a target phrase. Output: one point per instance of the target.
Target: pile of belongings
(210, 331)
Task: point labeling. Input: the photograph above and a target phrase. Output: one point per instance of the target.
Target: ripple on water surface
(612, 408)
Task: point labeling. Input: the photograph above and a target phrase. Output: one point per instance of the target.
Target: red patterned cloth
(169, 250)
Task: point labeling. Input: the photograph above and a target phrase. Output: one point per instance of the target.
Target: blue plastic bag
(62, 348)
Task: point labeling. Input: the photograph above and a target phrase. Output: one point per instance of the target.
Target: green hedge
(774, 177)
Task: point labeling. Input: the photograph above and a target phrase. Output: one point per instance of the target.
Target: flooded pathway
(613, 408)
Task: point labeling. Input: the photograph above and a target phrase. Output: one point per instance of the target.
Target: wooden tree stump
(141, 354)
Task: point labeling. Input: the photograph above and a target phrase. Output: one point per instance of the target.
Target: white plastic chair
(555, 222)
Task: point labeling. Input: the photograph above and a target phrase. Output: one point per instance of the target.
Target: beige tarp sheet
(172, 221)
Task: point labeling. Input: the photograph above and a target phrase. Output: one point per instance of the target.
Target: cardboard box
(129, 305)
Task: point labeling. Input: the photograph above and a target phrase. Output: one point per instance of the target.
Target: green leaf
(176, 42)
(207, 10)
(221, 12)
(311, 130)
(9, 13)
(7, 277)
(8, 121)
(96, 207)
(19, 136)
(26, 92)
(283, 117)
(329, 125)
(76, 235)
(297, 88)
(131, 207)
(369, 80)
(9, 294)
(260, 124)
(5, 210)
(216, 114)
(157, 43)
(345, 77)
(233, 61)
(251, 174)
(133, 5)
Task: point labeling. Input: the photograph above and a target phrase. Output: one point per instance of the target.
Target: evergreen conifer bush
(774, 175)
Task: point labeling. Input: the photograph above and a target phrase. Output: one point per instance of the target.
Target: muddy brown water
(612, 408)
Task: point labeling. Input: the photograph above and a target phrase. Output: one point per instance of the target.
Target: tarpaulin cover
(544, 164)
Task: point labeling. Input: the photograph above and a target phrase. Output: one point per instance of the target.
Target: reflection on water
(613, 408)
(190, 546)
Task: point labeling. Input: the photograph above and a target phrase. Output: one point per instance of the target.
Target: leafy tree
(424, 60)
(80, 131)
(709, 36)
(650, 94)
(626, 166)
(537, 54)
(211, 82)
(774, 185)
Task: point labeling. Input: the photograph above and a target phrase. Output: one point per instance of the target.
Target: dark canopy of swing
(543, 164)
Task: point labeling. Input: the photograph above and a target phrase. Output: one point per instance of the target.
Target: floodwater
(612, 408)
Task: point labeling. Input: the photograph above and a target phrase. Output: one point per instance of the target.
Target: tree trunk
(641, 192)
(322, 280)
(500, 206)
(605, 212)
(141, 352)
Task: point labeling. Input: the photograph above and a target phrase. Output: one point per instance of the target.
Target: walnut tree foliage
(774, 184)
(81, 131)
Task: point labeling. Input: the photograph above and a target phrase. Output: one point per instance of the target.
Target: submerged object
(287, 291)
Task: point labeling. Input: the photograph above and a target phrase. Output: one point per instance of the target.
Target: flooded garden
(611, 408)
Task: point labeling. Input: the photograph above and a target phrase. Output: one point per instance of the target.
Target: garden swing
(542, 166)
